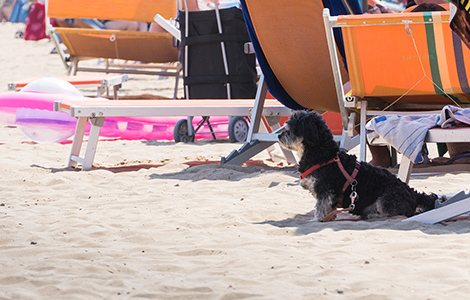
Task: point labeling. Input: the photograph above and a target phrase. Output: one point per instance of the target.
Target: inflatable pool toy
(51, 86)
(34, 115)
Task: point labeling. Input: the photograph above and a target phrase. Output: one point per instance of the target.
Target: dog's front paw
(323, 209)
(323, 216)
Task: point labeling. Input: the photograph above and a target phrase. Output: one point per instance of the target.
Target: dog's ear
(299, 124)
(310, 126)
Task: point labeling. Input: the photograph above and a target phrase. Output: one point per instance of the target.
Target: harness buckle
(353, 196)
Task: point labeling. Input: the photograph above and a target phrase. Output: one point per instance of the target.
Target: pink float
(34, 115)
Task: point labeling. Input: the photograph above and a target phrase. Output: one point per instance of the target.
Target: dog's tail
(425, 201)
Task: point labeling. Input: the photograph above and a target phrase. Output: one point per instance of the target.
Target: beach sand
(144, 225)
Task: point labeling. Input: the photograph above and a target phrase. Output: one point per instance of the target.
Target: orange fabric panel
(136, 10)
(155, 49)
(293, 40)
(355, 70)
(391, 61)
(388, 69)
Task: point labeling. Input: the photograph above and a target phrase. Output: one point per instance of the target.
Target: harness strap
(311, 169)
(349, 178)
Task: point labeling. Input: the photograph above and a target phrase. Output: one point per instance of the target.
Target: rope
(114, 40)
(409, 32)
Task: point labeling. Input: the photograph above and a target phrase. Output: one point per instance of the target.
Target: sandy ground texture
(143, 224)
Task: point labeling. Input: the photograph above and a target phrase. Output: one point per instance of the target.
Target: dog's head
(305, 130)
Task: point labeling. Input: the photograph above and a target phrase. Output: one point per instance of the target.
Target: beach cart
(215, 66)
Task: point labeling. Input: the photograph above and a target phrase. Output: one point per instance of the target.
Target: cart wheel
(180, 132)
(237, 129)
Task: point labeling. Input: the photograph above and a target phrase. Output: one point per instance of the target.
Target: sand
(144, 225)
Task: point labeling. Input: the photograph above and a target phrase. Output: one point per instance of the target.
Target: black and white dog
(336, 179)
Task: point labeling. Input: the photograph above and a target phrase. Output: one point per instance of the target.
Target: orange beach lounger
(154, 51)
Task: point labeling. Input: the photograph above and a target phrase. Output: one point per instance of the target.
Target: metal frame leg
(362, 134)
(255, 119)
(92, 144)
(77, 141)
(255, 143)
(404, 172)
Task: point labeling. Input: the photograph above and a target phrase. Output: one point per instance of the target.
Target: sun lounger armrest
(165, 24)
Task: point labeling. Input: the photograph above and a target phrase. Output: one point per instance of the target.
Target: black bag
(206, 77)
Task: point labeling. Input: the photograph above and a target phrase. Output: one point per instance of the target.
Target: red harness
(350, 180)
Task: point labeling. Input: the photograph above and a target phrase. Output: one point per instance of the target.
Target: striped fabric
(414, 55)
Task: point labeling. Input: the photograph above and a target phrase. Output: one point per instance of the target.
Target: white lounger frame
(102, 84)
(97, 111)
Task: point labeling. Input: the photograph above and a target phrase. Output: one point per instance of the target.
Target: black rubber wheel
(237, 129)
(181, 133)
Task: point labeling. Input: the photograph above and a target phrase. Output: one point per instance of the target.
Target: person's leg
(4, 16)
(6, 10)
(122, 25)
(142, 26)
(193, 5)
(154, 27)
(380, 156)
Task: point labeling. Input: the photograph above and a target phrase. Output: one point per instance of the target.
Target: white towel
(452, 116)
(407, 133)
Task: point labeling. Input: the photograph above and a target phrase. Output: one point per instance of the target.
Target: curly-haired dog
(336, 179)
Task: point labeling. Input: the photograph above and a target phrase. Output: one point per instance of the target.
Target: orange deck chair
(402, 63)
(154, 51)
(291, 46)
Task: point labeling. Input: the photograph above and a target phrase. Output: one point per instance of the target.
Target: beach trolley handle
(222, 46)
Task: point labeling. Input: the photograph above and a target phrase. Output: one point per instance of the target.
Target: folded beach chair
(154, 52)
(215, 65)
(290, 44)
(398, 63)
